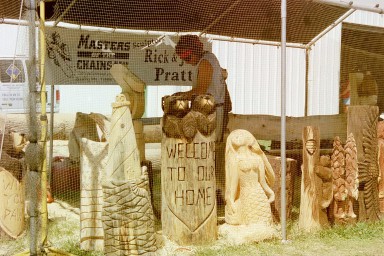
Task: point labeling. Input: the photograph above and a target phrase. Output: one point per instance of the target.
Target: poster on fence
(84, 57)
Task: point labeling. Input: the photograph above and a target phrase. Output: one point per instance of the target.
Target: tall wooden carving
(128, 218)
(380, 136)
(93, 156)
(345, 179)
(316, 183)
(188, 170)
(362, 123)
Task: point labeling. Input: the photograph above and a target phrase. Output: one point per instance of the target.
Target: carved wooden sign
(11, 204)
(189, 185)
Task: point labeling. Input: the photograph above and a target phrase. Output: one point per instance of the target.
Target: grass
(354, 240)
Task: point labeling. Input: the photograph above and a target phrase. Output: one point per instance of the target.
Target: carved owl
(204, 104)
(175, 105)
(172, 126)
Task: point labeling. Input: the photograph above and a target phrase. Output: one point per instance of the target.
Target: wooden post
(313, 202)
(188, 177)
(362, 123)
(93, 156)
(12, 205)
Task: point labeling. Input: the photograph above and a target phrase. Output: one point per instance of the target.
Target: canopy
(251, 19)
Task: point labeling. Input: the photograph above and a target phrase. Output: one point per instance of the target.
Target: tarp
(252, 19)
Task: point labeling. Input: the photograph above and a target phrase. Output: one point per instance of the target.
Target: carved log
(380, 135)
(93, 156)
(313, 214)
(189, 188)
(12, 205)
(362, 123)
(128, 218)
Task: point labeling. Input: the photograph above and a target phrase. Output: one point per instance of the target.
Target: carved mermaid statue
(249, 178)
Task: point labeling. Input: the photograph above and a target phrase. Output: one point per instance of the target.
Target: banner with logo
(76, 56)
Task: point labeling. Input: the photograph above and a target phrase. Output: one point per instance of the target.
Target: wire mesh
(97, 50)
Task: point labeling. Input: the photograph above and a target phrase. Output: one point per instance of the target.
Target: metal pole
(43, 121)
(283, 113)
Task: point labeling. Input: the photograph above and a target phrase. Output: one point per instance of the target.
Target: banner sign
(76, 56)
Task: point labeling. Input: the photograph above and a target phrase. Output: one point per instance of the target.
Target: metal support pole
(283, 120)
(43, 121)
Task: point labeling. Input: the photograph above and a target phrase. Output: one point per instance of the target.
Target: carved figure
(181, 121)
(351, 174)
(249, 178)
(316, 183)
(339, 189)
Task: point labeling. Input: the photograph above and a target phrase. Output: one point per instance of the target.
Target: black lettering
(175, 76)
(148, 54)
(83, 42)
(92, 45)
(159, 72)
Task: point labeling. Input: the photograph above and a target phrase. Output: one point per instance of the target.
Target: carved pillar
(128, 218)
(188, 174)
(314, 184)
(93, 156)
(362, 123)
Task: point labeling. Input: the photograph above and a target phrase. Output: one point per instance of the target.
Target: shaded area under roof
(252, 19)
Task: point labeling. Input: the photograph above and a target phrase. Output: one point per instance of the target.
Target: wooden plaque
(11, 204)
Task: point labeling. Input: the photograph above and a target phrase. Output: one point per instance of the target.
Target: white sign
(85, 57)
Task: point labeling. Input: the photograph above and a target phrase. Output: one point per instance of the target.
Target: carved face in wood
(204, 104)
(175, 105)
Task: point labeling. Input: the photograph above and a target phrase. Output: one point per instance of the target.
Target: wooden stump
(189, 189)
(11, 205)
(362, 123)
(291, 166)
(93, 156)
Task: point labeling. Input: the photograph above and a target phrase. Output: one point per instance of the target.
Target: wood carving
(249, 181)
(351, 174)
(339, 187)
(12, 207)
(380, 136)
(181, 121)
(93, 156)
(129, 223)
(128, 218)
(316, 183)
(132, 87)
(187, 177)
(362, 123)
